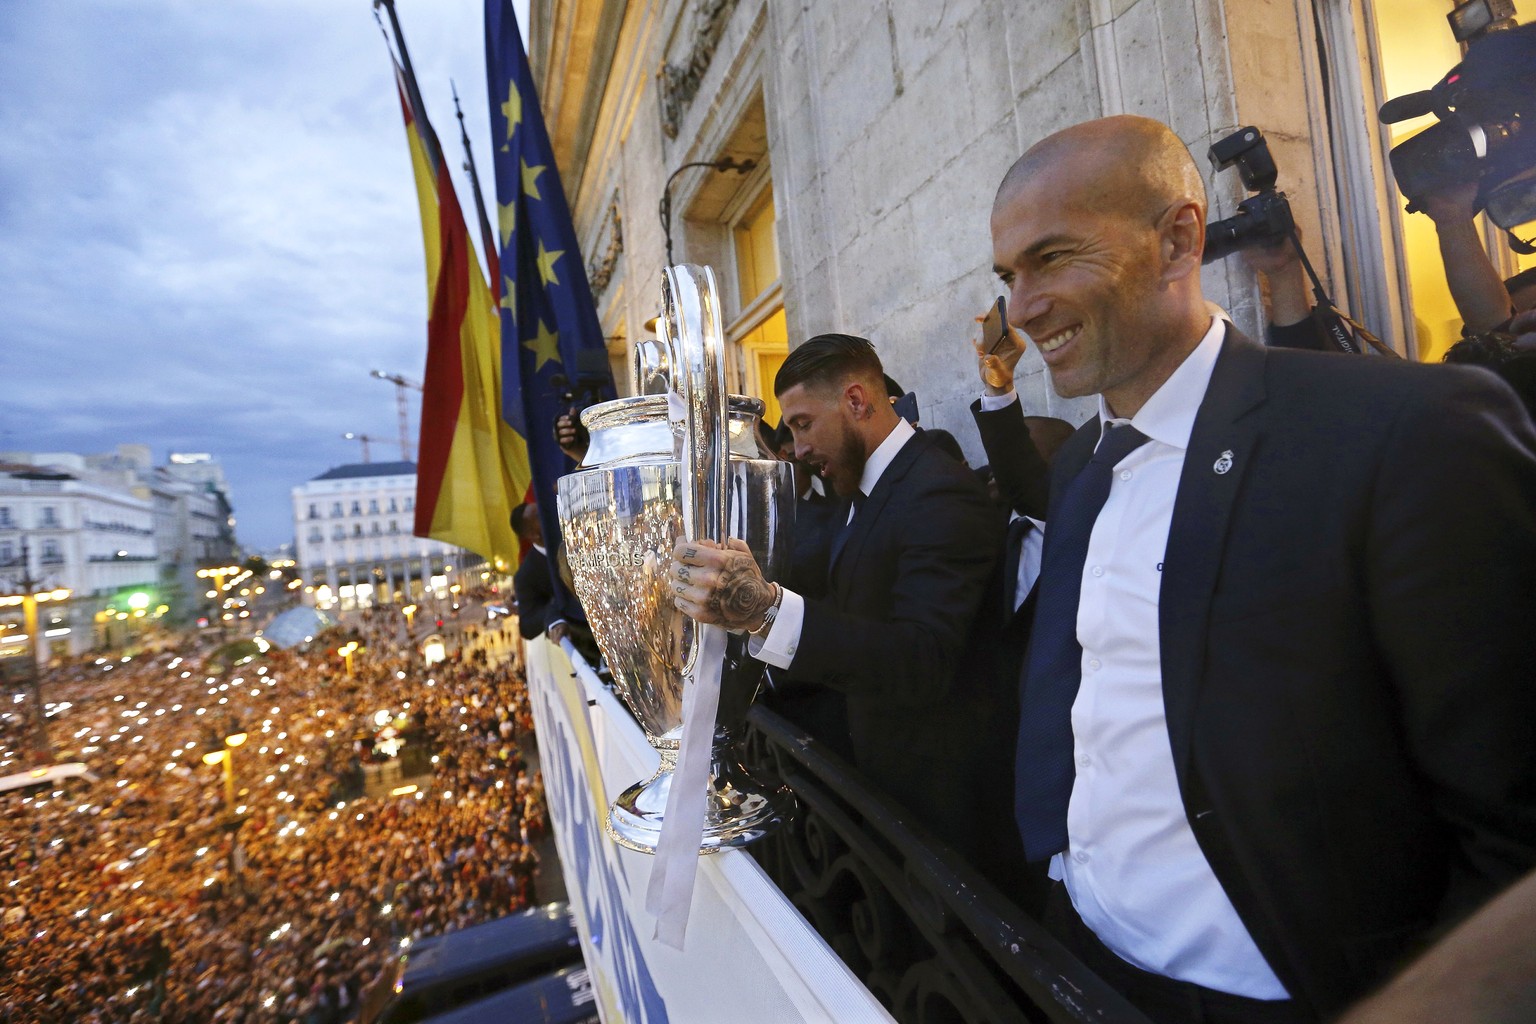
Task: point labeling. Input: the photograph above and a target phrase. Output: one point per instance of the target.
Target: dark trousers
(1164, 1000)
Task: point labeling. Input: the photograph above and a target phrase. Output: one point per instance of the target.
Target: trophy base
(740, 810)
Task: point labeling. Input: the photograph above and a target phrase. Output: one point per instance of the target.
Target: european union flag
(548, 319)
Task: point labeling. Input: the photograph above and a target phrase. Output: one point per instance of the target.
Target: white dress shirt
(783, 640)
(1133, 868)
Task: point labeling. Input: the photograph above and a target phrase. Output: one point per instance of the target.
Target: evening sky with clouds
(209, 232)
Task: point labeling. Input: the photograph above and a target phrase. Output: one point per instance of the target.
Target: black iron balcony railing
(927, 934)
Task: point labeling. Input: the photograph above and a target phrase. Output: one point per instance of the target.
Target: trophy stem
(740, 808)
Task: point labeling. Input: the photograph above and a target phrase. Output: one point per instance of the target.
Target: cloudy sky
(208, 230)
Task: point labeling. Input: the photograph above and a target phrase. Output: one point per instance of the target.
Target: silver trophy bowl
(660, 468)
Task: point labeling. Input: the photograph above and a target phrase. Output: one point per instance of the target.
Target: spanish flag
(473, 467)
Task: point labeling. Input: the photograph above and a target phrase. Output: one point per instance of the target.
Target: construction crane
(366, 440)
(401, 403)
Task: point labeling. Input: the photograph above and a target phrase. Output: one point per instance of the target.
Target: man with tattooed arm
(906, 574)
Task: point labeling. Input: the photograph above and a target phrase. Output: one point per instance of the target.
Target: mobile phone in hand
(994, 328)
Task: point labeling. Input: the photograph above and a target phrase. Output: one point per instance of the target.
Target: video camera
(593, 377)
(1481, 105)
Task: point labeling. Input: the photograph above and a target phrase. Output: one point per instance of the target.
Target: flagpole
(487, 239)
(429, 139)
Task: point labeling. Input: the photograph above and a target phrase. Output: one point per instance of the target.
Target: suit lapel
(1222, 446)
(849, 541)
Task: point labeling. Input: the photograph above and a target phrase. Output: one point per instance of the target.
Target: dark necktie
(1018, 529)
(841, 537)
(1053, 667)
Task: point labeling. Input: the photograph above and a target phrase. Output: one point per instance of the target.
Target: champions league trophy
(657, 462)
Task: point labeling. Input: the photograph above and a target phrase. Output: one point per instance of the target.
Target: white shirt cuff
(783, 639)
(992, 403)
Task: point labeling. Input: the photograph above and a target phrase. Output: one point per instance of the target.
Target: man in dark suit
(908, 569)
(1277, 723)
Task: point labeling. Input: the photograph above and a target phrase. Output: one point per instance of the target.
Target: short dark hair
(520, 514)
(828, 359)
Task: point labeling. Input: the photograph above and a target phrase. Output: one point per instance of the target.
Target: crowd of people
(136, 893)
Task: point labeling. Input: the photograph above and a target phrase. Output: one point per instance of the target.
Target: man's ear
(856, 398)
(1181, 239)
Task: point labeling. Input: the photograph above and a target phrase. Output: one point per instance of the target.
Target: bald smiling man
(1278, 726)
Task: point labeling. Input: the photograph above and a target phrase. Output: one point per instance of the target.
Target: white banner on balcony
(749, 955)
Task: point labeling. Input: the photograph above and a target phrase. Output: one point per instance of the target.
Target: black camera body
(1261, 219)
(1481, 105)
(574, 397)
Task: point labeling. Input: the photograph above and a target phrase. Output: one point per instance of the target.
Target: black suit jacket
(537, 603)
(903, 592)
(1346, 620)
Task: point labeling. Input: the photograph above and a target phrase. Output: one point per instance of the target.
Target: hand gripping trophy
(686, 463)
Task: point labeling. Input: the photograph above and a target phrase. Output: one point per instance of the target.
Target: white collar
(1169, 415)
(881, 457)
(540, 549)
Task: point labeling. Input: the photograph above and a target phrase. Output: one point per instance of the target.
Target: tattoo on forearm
(741, 595)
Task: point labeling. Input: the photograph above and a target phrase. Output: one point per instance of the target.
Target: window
(314, 510)
(5, 517)
(374, 528)
(50, 516)
(373, 506)
(51, 552)
(315, 536)
(410, 504)
(393, 506)
(357, 508)
(335, 509)
(760, 332)
(394, 526)
(357, 529)
(7, 553)
(338, 532)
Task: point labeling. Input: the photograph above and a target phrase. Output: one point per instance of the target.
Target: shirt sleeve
(992, 403)
(783, 639)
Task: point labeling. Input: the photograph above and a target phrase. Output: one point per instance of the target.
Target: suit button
(1125, 474)
(1081, 856)
(1098, 570)
(1084, 761)
(1093, 663)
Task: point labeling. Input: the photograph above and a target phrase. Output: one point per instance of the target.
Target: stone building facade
(352, 526)
(878, 133)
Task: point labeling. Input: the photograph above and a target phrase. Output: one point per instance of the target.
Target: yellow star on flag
(508, 293)
(547, 263)
(531, 179)
(506, 219)
(512, 110)
(545, 346)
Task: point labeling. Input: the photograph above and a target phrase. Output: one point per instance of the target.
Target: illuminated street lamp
(35, 651)
(226, 754)
(410, 615)
(346, 651)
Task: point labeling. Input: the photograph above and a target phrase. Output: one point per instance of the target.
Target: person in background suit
(1277, 721)
(907, 572)
(540, 609)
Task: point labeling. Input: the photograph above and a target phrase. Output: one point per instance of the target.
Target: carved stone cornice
(680, 82)
(600, 271)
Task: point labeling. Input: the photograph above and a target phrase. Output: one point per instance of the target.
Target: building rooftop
(353, 470)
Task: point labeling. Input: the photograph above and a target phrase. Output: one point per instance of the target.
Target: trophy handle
(695, 341)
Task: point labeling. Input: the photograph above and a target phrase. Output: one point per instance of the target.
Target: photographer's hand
(568, 438)
(1476, 287)
(1278, 262)
(996, 369)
